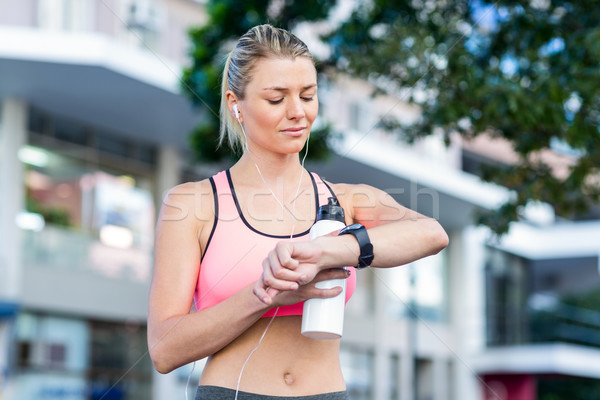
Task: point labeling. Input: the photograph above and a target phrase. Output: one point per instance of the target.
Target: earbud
(236, 112)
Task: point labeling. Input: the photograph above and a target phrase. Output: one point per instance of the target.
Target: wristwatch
(366, 248)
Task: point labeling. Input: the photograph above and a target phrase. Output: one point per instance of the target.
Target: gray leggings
(220, 393)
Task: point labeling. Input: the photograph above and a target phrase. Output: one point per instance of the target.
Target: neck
(283, 176)
(275, 168)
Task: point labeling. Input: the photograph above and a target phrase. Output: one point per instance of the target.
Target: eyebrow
(284, 89)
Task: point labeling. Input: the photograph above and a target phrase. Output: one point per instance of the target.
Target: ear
(231, 101)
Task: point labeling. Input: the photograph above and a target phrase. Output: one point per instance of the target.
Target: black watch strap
(366, 248)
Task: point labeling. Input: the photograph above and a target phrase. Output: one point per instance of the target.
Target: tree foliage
(210, 43)
(527, 71)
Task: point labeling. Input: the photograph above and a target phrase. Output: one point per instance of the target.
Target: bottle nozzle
(332, 211)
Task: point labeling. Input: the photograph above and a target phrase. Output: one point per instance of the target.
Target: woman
(237, 244)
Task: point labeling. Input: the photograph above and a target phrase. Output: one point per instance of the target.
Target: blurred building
(93, 130)
(516, 318)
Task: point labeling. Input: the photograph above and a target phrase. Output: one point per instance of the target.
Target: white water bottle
(324, 318)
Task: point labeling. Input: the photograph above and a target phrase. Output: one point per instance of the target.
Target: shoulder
(354, 197)
(369, 205)
(355, 194)
(187, 201)
(196, 187)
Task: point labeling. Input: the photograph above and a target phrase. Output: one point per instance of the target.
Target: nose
(295, 109)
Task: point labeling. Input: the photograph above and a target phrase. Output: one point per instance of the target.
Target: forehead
(283, 73)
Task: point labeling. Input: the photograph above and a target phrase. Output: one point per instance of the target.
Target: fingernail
(294, 286)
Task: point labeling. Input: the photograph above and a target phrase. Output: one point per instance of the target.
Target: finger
(271, 281)
(272, 292)
(284, 251)
(279, 271)
(326, 293)
(332, 273)
(284, 266)
(260, 291)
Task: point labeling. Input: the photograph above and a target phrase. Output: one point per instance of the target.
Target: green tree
(210, 43)
(526, 70)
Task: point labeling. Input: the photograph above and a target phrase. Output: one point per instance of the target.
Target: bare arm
(176, 337)
(399, 236)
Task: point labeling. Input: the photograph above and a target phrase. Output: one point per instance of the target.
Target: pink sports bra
(235, 250)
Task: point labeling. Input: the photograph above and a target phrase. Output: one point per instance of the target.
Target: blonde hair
(262, 41)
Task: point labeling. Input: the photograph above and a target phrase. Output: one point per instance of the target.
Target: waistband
(221, 393)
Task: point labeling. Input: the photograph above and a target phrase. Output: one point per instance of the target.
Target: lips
(295, 131)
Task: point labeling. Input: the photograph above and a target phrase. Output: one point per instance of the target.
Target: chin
(293, 145)
(299, 146)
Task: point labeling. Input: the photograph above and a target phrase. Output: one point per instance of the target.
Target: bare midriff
(285, 364)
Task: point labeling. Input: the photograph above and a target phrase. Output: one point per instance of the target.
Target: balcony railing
(63, 248)
(566, 323)
(560, 323)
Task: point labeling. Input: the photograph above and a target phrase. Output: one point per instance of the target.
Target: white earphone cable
(237, 389)
(188, 380)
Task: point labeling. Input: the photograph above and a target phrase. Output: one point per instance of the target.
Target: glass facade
(89, 206)
(94, 202)
(506, 292)
(564, 387)
(119, 364)
(542, 301)
(70, 358)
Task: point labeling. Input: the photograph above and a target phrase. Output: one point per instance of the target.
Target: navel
(288, 378)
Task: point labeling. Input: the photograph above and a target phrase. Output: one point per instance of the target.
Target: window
(506, 296)
(357, 367)
(394, 379)
(93, 192)
(145, 15)
(420, 287)
(360, 116)
(564, 300)
(56, 355)
(88, 359)
(119, 365)
(425, 380)
(65, 15)
(50, 343)
(532, 301)
(145, 22)
(24, 354)
(51, 356)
